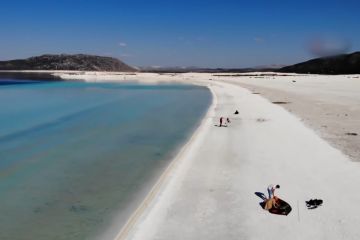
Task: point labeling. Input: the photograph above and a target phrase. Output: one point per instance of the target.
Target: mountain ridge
(76, 62)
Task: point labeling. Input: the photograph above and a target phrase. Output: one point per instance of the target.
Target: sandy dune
(208, 192)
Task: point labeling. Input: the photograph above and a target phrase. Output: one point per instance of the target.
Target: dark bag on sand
(313, 203)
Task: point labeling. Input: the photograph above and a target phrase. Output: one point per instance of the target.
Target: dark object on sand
(261, 195)
(236, 112)
(280, 102)
(351, 134)
(313, 203)
(261, 120)
(283, 208)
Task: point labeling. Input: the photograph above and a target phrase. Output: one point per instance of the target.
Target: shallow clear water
(72, 154)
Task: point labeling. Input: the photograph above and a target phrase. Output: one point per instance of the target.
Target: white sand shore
(328, 104)
(208, 192)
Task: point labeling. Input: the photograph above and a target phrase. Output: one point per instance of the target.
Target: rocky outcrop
(78, 62)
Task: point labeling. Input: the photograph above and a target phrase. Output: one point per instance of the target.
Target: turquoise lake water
(74, 154)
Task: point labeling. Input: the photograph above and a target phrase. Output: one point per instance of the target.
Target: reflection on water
(26, 76)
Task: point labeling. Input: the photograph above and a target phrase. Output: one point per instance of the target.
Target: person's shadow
(263, 197)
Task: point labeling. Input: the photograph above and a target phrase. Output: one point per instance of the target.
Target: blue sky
(179, 33)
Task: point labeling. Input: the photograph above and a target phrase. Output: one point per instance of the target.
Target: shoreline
(326, 103)
(204, 196)
(148, 192)
(161, 181)
(154, 143)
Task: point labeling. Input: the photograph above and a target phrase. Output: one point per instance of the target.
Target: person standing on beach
(272, 200)
(271, 190)
(221, 121)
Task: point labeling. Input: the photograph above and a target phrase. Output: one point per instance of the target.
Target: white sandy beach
(208, 190)
(327, 104)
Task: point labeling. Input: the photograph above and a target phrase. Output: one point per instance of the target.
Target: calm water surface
(73, 154)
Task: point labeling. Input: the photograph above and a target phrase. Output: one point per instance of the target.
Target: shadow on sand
(261, 195)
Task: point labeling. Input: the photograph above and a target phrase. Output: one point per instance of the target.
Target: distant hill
(77, 62)
(341, 64)
(207, 70)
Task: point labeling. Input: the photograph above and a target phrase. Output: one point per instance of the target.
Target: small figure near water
(221, 121)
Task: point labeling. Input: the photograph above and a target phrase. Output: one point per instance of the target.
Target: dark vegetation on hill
(341, 64)
(77, 62)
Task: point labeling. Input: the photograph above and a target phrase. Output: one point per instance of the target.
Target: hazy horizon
(227, 34)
